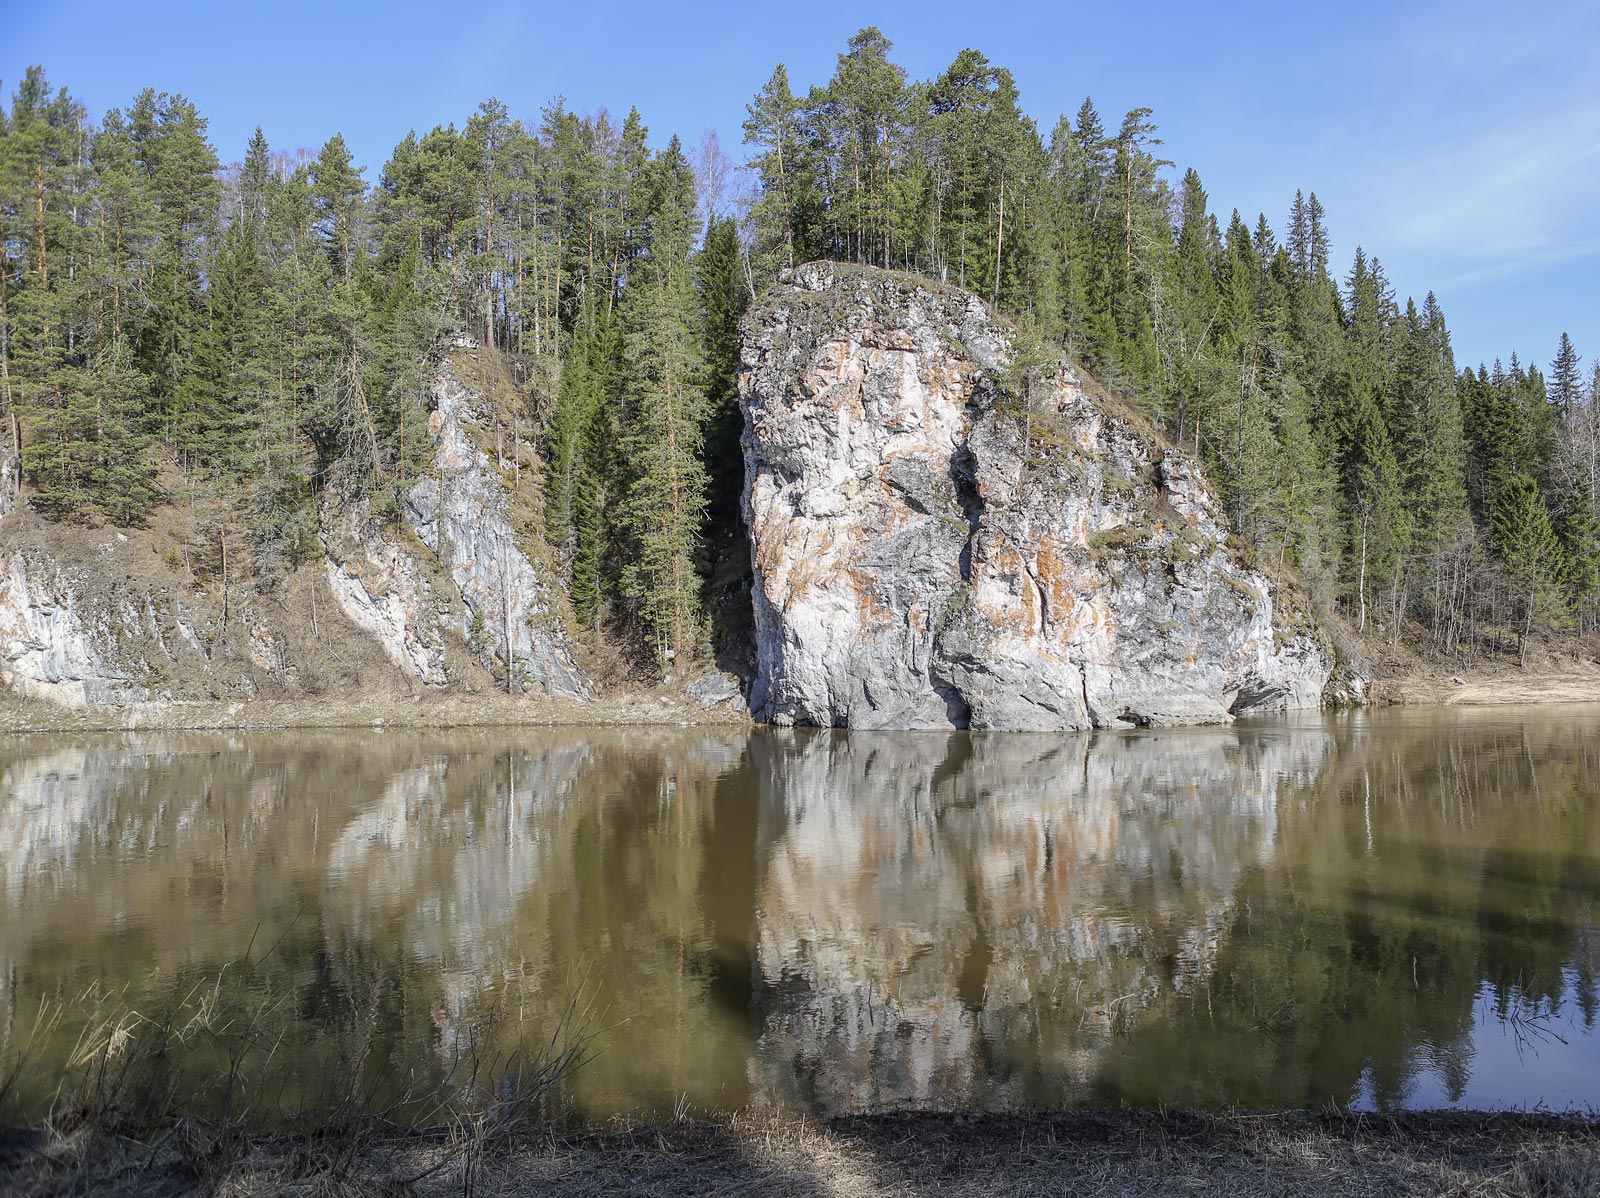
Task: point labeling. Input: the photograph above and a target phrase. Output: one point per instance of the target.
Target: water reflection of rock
(963, 922)
(838, 922)
(462, 856)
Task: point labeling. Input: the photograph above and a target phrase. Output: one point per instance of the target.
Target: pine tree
(1193, 309)
(1373, 490)
(567, 454)
(51, 426)
(1531, 554)
(862, 115)
(221, 393)
(663, 432)
(1565, 385)
(168, 138)
(723, 298)
(772, 126)
(350, 429)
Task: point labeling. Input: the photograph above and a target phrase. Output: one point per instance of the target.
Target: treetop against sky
(1459, 141)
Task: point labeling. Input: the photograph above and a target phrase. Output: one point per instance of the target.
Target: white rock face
(492, 592)
(46, 652)
(462, 512)
(385, 592)
(929, 552)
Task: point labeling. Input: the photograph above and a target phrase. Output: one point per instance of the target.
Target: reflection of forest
(1275, 914)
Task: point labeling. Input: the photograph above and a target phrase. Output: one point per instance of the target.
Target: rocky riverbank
(715, 703)
(711, 700)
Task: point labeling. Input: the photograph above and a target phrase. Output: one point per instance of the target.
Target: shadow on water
(1276, 914)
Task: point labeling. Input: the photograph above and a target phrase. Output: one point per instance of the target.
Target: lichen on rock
(930, 550)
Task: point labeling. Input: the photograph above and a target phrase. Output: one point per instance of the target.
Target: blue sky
(1460, 142)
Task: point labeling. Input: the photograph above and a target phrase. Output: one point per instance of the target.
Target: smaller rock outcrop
(447, 588)
(46, 651)
(460, 565)
(934, 548)
(97, 626)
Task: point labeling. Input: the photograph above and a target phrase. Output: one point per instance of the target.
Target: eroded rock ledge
(933, 551)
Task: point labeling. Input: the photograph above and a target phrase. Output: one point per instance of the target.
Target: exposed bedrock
(933, 549)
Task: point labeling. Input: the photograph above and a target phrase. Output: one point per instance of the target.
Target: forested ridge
(248, 340)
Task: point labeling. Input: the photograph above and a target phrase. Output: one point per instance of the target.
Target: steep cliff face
(442, 597)
(463, 569)
(932, 549)
(47, 648)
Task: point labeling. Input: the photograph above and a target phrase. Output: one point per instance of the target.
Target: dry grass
(201, 1098)
(1549, 679)
(1092, 1155)
(225, 1090)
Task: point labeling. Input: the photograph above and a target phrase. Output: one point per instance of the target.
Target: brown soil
(1087, 1154)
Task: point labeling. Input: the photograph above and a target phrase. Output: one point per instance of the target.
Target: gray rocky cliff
(462, 568)
(930, 550)
(436, 595)
(63, 647)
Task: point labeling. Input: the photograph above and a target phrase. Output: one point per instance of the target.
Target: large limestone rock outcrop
(932, 551)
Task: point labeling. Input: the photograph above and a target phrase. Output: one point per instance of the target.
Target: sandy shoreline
(400, 712)
(1503, 687)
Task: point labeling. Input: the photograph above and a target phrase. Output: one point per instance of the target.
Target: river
(1384, 909)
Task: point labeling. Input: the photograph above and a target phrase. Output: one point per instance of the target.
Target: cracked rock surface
(933, 549)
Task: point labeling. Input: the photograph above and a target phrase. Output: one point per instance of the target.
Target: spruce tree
(1531, 554)
(1565, 385)
(664, 412)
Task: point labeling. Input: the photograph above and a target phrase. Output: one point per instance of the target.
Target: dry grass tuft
(227, 1091)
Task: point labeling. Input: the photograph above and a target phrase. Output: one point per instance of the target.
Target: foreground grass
(1231, 1155)
(223, 1090)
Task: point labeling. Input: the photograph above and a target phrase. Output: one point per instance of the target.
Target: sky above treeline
(1457, 141)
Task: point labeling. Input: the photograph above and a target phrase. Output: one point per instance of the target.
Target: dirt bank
(378, 711)
(1551, 682)
(1085, 1154)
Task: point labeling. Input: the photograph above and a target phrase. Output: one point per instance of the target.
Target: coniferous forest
(251, 337)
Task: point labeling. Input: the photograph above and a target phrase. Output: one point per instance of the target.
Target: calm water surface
(1387, 909)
